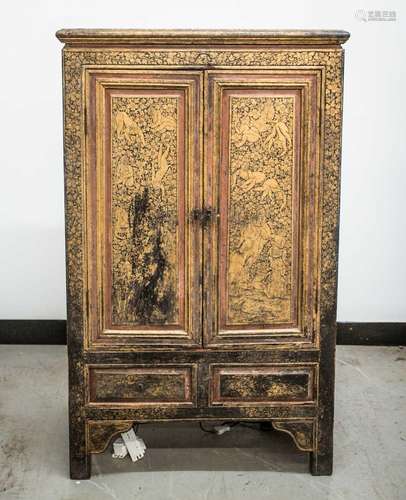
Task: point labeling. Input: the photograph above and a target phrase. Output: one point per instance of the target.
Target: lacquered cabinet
(202, 198)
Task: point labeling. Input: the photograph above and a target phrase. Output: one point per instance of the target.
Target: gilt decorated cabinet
(202, 175)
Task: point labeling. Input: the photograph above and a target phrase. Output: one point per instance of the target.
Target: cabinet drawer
(142, 385)
(262, 385)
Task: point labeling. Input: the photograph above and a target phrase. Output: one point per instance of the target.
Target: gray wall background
(372, 260)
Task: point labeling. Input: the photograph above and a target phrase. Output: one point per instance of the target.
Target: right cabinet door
(262, 180)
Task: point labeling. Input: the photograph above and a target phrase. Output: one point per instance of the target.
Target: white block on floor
(135, 445)
(119, 448)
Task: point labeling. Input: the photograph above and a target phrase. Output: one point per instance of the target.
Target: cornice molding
(120, 37)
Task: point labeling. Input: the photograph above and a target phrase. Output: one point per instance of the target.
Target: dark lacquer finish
(202, 176)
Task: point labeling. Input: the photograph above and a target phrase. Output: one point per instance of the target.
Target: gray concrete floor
(183, 463)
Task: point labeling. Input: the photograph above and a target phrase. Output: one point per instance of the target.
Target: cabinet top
(116, 37)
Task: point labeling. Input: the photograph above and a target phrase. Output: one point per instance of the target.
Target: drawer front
(142, 385)
(262, 385)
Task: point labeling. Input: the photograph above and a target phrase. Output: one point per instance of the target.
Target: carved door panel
(143, 141)
(262, 180)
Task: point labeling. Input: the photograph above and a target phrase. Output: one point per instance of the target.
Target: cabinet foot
(79, 457)
(321, 465)
(80, 467)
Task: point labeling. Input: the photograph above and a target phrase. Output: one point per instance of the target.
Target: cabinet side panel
(322, 457)
(74, 234)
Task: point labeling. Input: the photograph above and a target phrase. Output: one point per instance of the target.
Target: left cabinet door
(143, 141)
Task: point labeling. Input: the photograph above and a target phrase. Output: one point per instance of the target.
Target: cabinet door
(143, 141)
(262, 181)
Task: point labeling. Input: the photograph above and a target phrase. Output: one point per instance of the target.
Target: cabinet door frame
(99, 81)
(309, 83)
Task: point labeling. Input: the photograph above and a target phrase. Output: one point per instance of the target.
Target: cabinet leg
(321, 460)
(80, 460)
(321, 465)
(80, 466)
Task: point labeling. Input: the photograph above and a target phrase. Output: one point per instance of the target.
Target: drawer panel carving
(244, 385)
(142, 385)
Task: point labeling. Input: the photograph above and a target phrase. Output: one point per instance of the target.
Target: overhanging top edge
(200, 37)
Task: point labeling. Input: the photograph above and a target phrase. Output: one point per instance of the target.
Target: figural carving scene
(144, 210)
(145, 213)
(260, 218)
